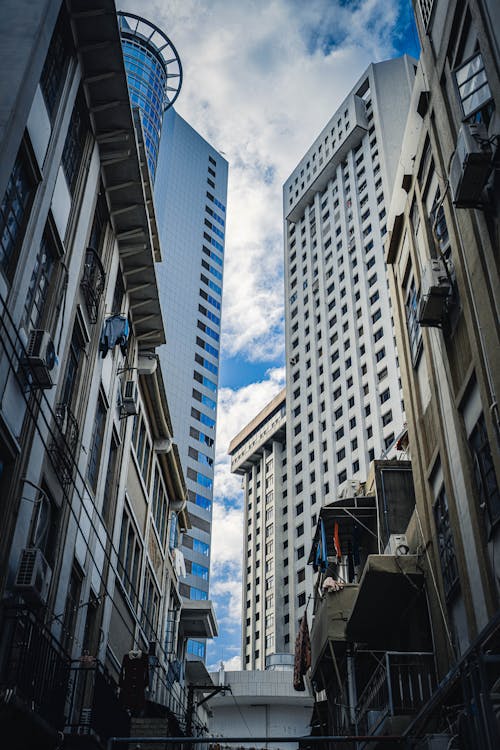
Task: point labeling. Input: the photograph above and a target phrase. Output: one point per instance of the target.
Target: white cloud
(261, 79)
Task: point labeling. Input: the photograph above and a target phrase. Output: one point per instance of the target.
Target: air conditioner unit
(33, 575)
(434, 292)
(397, 545)
(471, 165)
(294, 360)
(40, 358)
(130, 398)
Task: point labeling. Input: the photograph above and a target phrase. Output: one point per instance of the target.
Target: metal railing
(93, 705)
(34, 665)
(63, 447)
(400, 684)
(92, 283)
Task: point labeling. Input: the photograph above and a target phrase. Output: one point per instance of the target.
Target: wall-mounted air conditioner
(471, 165)
(434, 292)
(397, 545)
(40, 358)
(130, 398)
(33, 575)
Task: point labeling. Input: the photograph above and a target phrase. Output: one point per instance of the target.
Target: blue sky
(261, 79)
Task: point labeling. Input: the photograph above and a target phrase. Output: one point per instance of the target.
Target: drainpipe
(351, 687)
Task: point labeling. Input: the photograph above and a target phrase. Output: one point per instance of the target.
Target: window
(14, 211)
(199, 570)
(384, 396)
(484, 471)
(414, 330)
(446, 547)
(142, 447)
(150, 607)
(96, 445)
(56, 62)
(38, 291)
(129, 557)
(473, 89)
(109, 484)
(197, 648)
(75, 142)
(301, 599)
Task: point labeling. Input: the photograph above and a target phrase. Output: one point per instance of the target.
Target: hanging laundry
(336, 541)
(302, 660)
(330, 584)
(134, 679)
(321, 557)
(115, 333)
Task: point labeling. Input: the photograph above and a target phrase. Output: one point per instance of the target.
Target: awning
(198, 619)
(128, 191)
(197, 673)
(390, 584)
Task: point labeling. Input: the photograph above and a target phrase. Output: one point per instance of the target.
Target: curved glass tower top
(154, 74)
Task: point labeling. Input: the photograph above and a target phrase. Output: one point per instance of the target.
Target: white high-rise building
(258, 455)
(343, 391)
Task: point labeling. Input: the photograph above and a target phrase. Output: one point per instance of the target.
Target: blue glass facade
(154, 76)
(190, 199)
(190, 192)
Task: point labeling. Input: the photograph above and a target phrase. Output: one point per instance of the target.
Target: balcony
(64, 445)
(329, 625)
(34, 674)
(92, 283)
(94, 710)
(395, 691)
(197, 619)
(390, 611)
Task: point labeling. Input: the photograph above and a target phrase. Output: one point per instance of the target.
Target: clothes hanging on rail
(302, 660)
(321, 557)
(336, 541)
(134, 679)
(115, 333)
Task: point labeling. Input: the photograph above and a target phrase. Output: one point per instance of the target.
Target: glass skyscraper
(190, 193)
(154, 74)
(190, 200)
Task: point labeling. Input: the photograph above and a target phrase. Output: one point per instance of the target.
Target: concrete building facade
(443, 256)
(343, 392)
(91, 481)
(259, 704)
(258, 455)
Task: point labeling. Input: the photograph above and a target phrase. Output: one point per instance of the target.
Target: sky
(261, 79)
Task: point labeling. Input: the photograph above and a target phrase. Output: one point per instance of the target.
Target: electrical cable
(239, 710)
(107, 556)
(443, 615)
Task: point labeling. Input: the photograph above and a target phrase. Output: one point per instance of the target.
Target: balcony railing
(399, 686)
(93, 705)
(92, 283)
(64, 445)
(34, 665)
